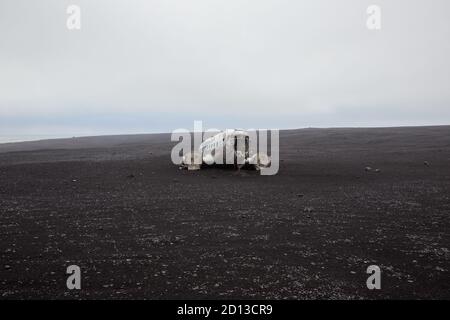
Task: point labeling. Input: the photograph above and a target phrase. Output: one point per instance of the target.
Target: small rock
(130, 176)
(377, 170)
(308, 209)
(367, 169)
(426, 163)
(300, 195)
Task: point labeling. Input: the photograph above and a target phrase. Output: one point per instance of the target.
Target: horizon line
(156, 133)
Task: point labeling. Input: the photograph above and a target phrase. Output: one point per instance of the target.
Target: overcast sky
(141, 66)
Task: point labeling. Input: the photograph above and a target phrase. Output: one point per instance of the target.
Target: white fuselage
(226, 147)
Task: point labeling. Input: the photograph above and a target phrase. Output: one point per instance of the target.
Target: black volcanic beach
(140, 228)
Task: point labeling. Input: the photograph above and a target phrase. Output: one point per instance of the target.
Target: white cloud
(305, 59)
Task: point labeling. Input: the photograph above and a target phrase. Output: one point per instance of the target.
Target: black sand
(140, 228)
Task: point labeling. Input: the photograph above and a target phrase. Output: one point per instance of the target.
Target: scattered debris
(370, 169)
(308, 209)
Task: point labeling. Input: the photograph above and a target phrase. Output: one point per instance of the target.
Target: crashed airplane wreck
(230, 147)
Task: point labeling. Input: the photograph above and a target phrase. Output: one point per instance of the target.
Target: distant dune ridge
(406, 135)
